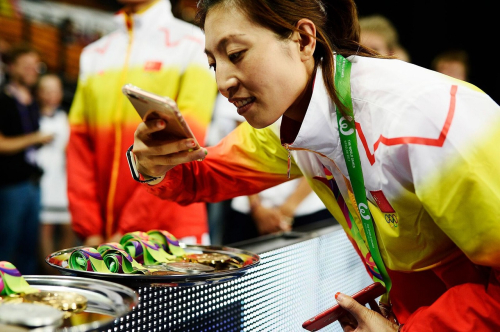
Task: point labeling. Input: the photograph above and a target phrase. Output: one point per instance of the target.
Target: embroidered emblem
(392, 219)
(382, 202)
(152, 66)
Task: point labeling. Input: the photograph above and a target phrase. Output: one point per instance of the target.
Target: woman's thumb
(348, 303)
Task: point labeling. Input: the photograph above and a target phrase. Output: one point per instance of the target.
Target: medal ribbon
(167, 241)
(12, 282)
(118, 260)
(348, 139)
(87, 259)
(143, 250)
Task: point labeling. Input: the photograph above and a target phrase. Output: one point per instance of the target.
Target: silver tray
(248, 260)
(106, 301)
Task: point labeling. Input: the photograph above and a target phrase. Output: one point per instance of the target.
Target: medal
(30, 315)
(189, 267)
(12, 298)
(216, 260)
(66, 301)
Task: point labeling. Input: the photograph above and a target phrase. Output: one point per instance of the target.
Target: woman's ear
(306, 38)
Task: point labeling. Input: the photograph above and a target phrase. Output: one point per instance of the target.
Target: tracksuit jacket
(427, 145)
(158, 53)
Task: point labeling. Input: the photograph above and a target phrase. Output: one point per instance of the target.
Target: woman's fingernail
(206, 152)
(160, 123)
(191, 144)
(339, 297)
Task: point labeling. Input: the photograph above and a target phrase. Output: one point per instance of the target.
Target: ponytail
(340, 35)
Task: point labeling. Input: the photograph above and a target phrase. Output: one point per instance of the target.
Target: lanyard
(348, 139)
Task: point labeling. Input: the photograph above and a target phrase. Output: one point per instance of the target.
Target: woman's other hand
(156, 157)
(270, 220)
(361, 318)
(93, 241)
(43, 138)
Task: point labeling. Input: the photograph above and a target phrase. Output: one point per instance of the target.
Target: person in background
(4, 47)
(454, 63)
(158, 53)
(55, 218)
(281, 208)
(19, 139)
(401, 53)
(402, 156)
(379, 34)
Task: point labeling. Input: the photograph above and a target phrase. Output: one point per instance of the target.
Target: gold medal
(65, 301)
(216, 260)
(13, 298)
(189, 267)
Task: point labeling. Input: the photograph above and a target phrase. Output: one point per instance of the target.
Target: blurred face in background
(24, 70)
(50, 92)
(375, 41)
(454, 69)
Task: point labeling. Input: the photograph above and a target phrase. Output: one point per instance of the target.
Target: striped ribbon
(12, 282)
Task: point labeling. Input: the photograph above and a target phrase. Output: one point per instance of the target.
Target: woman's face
(260, 74)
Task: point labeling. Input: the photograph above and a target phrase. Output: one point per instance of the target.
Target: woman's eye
(234, 56)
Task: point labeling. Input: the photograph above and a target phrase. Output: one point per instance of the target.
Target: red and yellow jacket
(427, 145)
(158, 53)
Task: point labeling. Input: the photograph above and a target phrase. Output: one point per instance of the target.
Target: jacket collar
(159, 13)
(318, 131)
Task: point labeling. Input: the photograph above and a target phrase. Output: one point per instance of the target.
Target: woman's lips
(243, 105)
(243, 109)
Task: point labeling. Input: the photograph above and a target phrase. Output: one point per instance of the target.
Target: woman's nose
(226, 82)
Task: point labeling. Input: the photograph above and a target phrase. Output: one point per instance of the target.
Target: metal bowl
(248, 260)
(106, 301)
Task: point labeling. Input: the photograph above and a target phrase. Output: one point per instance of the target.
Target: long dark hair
(337, 28)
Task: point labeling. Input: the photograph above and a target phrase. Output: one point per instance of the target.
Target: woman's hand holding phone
(155, 157)
(362, 319)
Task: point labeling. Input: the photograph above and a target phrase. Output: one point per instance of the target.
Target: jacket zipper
(289, 166)
(118, 134)
(289, 149)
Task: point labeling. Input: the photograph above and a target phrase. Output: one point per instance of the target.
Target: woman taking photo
(403, 157)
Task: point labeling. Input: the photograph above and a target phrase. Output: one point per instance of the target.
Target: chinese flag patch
(152, 66)
(382, 202)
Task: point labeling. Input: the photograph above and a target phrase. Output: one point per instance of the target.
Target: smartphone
(364, 296)
(150, 106)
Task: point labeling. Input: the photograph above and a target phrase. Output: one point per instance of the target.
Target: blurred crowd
(64, 178)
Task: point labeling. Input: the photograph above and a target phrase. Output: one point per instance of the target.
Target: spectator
(454, 63)
(379, 34)
(402, 53)
(55, 218)
(281, 208)
(156, 52)
(19, 183)
(4, 47)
